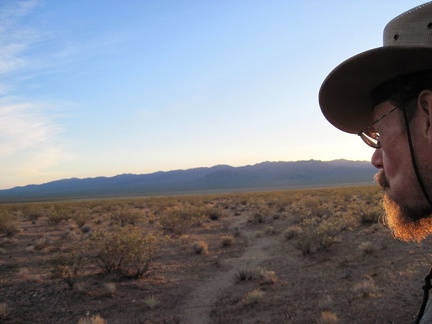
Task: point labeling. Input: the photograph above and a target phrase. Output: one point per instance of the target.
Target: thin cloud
(24, 126)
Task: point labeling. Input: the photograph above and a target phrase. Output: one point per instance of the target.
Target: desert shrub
(306, 241)
(213, 213)
(291, 232)
(200, 247)
(253, 297)
(33, 211)
(328, 317)
(126, 216)
(279, 203)
(257, 217)
(66, 266)
(366, 288)
(227, 240)
(4, 310)
(369, 214)
(325, 234)
(316, 235)
(81, 217)
(96, 319)
(178, 220)
(247, 274)
(9, 223)
(57, 215)
(268, 276)
(125, 250)
(86, 228)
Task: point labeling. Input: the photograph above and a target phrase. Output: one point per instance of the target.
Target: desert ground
(296, 256)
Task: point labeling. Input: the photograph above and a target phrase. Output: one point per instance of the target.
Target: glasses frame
(370, 136)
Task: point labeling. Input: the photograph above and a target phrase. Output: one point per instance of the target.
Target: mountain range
(220, 178)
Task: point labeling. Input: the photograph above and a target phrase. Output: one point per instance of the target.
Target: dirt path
(197, 309)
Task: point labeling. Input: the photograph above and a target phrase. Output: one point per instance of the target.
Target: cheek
(399, 172)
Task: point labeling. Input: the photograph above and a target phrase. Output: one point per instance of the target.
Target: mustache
(381, 179)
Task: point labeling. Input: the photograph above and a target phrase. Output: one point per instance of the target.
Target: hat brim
(345, 96)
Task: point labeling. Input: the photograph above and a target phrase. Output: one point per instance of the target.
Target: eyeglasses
(370, 136)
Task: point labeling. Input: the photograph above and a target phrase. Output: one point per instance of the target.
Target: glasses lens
(371, 138)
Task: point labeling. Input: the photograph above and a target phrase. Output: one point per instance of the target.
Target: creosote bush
(316, 235)
(370, 214)
(66, 266)
(9, 224)
(178, 220)
(213, 213)
(125, 250)
(291, 232)
(126, 216)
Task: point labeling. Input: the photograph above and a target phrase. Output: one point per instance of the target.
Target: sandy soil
(192, 288)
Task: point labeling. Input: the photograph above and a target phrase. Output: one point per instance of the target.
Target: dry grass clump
(95, 319)
(247, 274)
(328, 317)
(270, 230)
(227, 240)
(268, 276)
(326, 303)
(253, 297)
(151, 302)
(366, 288)
(4, 310)
(367, 247)
(200, 247)
(110, 289)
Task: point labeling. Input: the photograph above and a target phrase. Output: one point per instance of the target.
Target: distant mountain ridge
(265, 175)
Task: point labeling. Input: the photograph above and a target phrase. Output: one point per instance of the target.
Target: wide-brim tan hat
(345, 96)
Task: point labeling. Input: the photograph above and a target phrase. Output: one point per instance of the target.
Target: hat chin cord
(413, 159)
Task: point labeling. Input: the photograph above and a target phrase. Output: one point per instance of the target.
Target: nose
(376, 159)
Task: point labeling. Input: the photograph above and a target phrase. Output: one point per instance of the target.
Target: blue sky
(101, 87)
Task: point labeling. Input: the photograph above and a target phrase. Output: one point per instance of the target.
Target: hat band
(402, 86)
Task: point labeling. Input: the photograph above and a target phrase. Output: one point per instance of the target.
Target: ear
(424, 103)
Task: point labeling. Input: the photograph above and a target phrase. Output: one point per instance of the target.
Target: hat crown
(413, 27)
